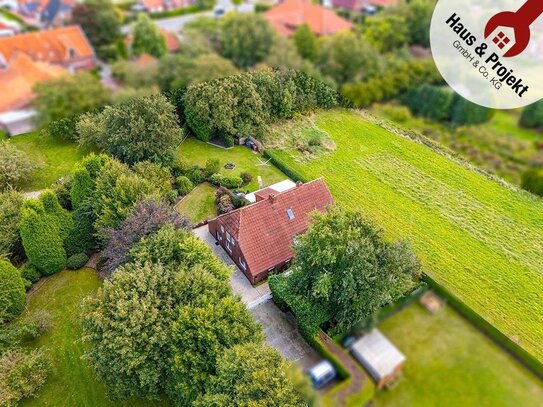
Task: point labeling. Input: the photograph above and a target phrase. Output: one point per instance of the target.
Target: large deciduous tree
(147, 38)
(306, 42)
(137, 130)
(99, 20)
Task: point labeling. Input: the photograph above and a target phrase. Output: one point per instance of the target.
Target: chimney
(272, 198)
(299, 183)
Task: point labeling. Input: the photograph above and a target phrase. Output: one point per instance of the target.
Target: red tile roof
(264, 230)
(287, 16)
(53, 46)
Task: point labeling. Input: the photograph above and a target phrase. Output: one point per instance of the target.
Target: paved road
(176, 24)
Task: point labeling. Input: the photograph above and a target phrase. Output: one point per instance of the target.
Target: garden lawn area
(71, 381)
(198, 152)
(199, 204)
(450, 363)
(57, 158)
(481, 240)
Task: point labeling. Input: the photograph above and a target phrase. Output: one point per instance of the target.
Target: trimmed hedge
(497, 336)
(230, 182)
(184, 185)
(12, 292)
(77, 261)
(30, 273)
(81, 238)
(289, 172)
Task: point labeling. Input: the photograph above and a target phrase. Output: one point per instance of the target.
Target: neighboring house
(259, 237)
(67, 47)
(48, 12)
(17, 82)
(379, 356)
(155, 6)
(289, 15)
(8, 28)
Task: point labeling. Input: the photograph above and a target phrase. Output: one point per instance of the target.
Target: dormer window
(71, 53)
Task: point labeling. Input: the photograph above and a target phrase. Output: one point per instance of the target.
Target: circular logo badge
(490, 51)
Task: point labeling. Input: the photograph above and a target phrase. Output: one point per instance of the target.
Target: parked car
(218, 12)
(321, 374)
(369, 10)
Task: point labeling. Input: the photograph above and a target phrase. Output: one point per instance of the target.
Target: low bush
(532, 180)
(532, 116)
(196, 175)
(246, 177)
(230, 182)
(464, 112)
(398, 114)
(431, 102)
(23, 373)
(77, 261)
(184, 185)
(225, 204)
(15, 166)
(61, 189)
(30, 273)
(12, 292)
(213, 166)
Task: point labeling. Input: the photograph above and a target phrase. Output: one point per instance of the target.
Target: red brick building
(259, 237)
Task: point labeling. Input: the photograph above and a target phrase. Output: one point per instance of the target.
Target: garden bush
(62, 216)
(246, 177)
(532, 116)
(532, 180)
(81, 238)
(196, 175)
(30, 273)
(15, 166)
(464, 112)
(61, 189)
(431, 102)
(76, 261)
(10, 216)
(12, 292)
(225, 204)
(230, 182)
(213, 166)
(184, 185)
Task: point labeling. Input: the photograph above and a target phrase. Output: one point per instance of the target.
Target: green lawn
(71, 382)
(481, 240)
(56, 157)
(499, 146)
(450, 363)
(198, 152)
(199, 204)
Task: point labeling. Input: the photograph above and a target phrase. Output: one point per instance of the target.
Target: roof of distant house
(145, 60)
(172, 42)
(287, 16)
(265, 229)
(18, 80)
(53, 46)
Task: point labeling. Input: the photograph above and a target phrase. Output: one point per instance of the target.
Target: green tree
(344, 266)
(60, 215)
(12, 292)
(10, 216)
(245, 39)
(69, 96)
(419, 18)
(81, 238)
(15, 166)
(40, 234)
(306, 42)
(432, 102)
(147, 38)
(235, 382)
(532, 116)
(199, 335)
(137, 130)
(387, 32)
(532, 180)
(99, 20)
(84, 178)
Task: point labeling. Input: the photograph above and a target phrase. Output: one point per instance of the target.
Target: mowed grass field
(481, 240)
(71, 382)
(449, 363)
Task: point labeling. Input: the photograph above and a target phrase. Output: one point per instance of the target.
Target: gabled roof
(18, 80)
(287, 16)
(51, 46)
(264, 230)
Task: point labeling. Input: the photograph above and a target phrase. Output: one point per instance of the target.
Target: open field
(198, 152)
(480, 239)
(450, 363)
(56, 157)
(71, 382)
(499, 146)
(199, 204)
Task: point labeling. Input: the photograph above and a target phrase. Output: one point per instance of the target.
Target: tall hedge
(40, 233)
(62, 216)
(431, 102)
(464, 112)
(12, 292)
(81, 238)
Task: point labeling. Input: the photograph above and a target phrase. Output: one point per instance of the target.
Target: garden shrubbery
(230, 182)
(532, 180)
(12, 292)
(532, 116)
(30, 272)
(184, 185)
(76, 261)
(10, 216)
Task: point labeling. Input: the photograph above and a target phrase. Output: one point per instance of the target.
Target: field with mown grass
(199, 204)
(481, 239)
(449, 363)
(56, 158)
(71, 383)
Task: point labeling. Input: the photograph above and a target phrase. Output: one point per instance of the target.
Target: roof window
(290, 213)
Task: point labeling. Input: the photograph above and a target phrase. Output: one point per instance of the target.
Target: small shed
(379, 356)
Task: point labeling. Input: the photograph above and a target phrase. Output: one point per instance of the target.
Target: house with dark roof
(48, 12)
(290, 14)
(259, 237)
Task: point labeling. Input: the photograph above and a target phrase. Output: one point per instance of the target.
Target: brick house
(259, 237)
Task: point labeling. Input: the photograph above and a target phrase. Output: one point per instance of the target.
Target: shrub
(225, 204)
(532, 180)
(61, 189)
(15, 166)
(81, 238)
(62, 216)
(30, 272)
(230, 182)
(399, 114)
(184, 185)
(10, 216)
(246, 177)
(532, 116)
(239, 200)
(431, 102)
(23, 373)
(464, 112)
(76, 261)
(12, 292)
(213, 166)
(180, 166)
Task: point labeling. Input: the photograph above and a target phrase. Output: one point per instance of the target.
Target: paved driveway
(281, 332)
